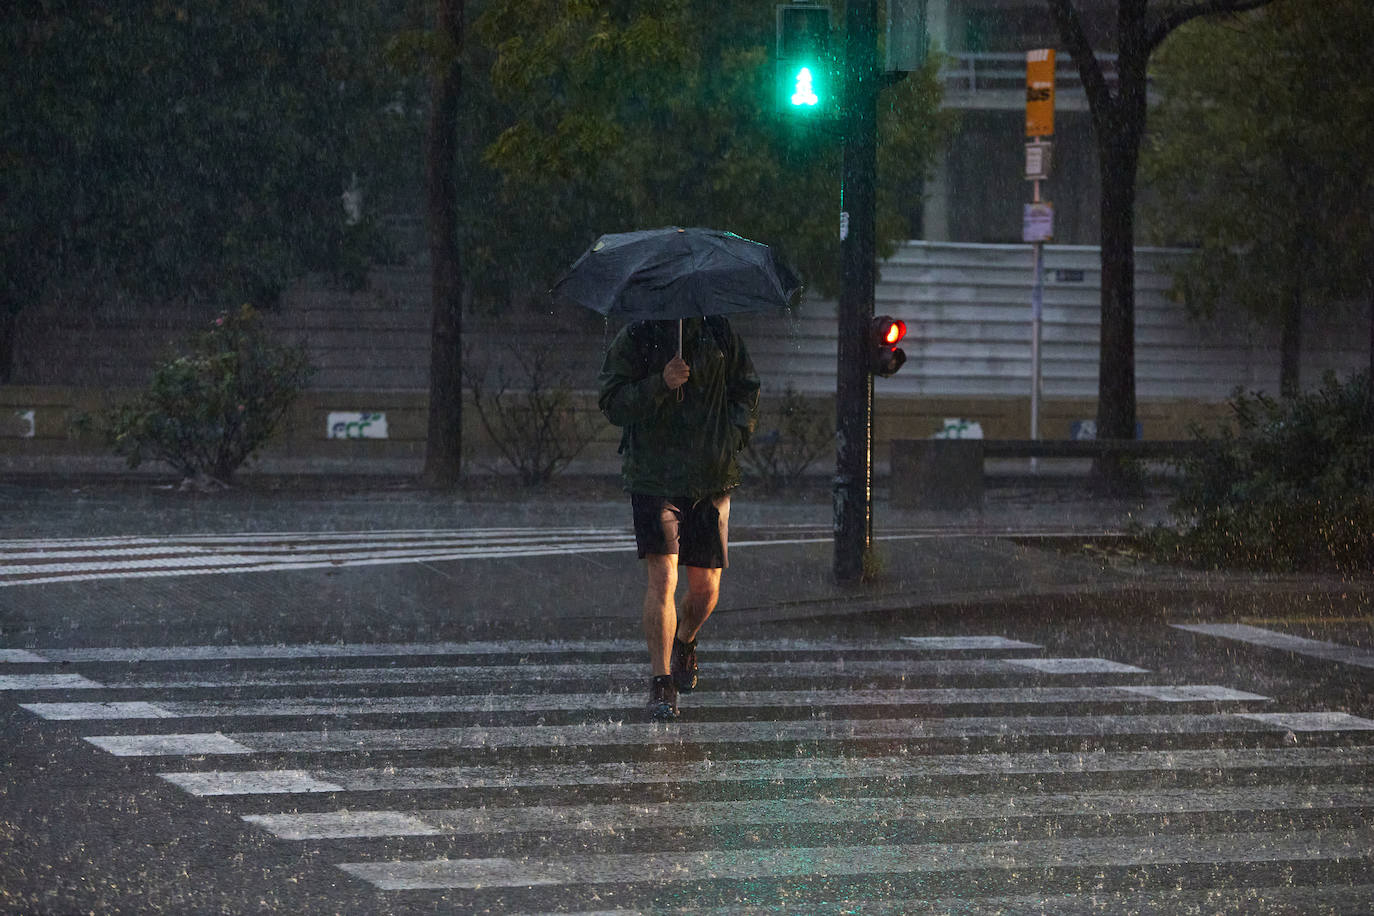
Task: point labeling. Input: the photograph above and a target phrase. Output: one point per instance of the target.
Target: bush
(531, 415)
(791, 436)
(1289, 487)
(208, 412)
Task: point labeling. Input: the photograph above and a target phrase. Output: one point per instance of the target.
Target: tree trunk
(1369, 374)
(1116, 415)
(1116, 399)
(9, 327)
(444, 439)
(1290, 342)
(1119, 128)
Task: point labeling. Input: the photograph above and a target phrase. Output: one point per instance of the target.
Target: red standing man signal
(884, 356)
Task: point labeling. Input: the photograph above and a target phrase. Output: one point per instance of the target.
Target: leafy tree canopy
(172, 150)
(1260, 153)
(622, 115)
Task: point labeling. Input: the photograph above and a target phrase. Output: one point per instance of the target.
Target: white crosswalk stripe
(1214, 901)
(809, 769)
(1314, 648)
(811, 862)
(39, 561)
(436, 822)
(612, 732)
(507, 674)
(504, 647)
(1126, 776)
(623, 699)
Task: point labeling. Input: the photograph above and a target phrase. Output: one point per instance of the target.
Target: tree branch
(1076, 41)
(1187, 13)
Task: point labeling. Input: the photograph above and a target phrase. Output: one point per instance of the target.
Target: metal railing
(970, 72)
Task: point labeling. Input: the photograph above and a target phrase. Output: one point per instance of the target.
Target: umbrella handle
(679, 356)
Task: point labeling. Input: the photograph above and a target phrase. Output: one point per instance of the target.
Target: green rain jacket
(689, 447)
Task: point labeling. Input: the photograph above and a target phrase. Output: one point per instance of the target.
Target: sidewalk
(1024, 546)
(80, 497)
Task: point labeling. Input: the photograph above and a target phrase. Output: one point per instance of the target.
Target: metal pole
(1039, 124)
(1037, 304)
(853, 493)
(1037, 307)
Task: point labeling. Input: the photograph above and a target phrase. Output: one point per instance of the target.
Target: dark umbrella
(675, 273)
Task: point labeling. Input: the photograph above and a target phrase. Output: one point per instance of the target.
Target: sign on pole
(1037, 222)
(1037, 160)
(1040, 93)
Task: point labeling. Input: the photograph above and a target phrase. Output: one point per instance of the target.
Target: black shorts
(697, 531)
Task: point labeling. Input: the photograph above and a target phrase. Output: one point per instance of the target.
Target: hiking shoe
(662, 698)
(684, 665)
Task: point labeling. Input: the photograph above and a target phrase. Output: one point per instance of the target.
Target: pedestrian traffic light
(807, 85)
(884, 356)
(802, 80)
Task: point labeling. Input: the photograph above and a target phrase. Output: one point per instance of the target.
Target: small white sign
(959, 428)
(844, 225)
(356, 425)
(1037, 160)
(19, 425)
(1037, 223)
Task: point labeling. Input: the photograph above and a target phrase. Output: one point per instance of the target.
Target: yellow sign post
(1040, 93)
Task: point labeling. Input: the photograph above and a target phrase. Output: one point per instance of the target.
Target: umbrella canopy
(673, 273)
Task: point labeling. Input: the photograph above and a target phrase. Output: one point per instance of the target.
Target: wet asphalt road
(445, 717)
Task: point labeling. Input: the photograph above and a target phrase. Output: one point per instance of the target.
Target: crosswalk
(942, 773)
(41, 561)
(44, 561)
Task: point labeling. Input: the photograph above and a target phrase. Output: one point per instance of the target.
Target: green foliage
(792, 434)
(530, 412)
(621, 116)
(172, 151)
(1289, 487)
(208, 411)
(1259, 154)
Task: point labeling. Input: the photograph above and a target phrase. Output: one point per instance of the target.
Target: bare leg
(703, 590)
(660, 610)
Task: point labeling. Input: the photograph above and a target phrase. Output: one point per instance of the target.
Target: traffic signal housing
(806, 82)
(884, 356)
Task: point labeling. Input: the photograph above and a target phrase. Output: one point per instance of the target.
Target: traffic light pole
(853, 493)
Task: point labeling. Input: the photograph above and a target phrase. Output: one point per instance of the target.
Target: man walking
(685, 416)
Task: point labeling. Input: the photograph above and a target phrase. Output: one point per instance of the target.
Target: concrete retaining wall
(968, 350)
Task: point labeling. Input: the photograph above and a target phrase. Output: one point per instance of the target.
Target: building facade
(976, 190)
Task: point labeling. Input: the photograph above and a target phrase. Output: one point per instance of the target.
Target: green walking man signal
(807, 82)
(806, 91)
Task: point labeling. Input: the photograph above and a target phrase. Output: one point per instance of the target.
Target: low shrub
(530, 412)
(1287, 486)
(792, 434)
(207, 412)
